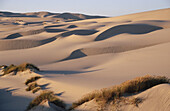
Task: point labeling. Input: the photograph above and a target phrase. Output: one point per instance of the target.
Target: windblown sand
(80, 56)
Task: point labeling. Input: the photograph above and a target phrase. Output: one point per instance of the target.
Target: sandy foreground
(81, 56)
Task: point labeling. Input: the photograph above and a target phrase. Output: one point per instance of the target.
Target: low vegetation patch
(122, 101)
(32, 79)
(31, 86)
(136, 101)
(21, 67)
(136, 85)
(9, 69)
(36, 89)
(46, 95)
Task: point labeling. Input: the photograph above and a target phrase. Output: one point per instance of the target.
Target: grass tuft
(31, 86)
(46, 95)
(21, 67)
(136, 101)
(36, 89)
(9, 69)
(136, 85)
(32, 79)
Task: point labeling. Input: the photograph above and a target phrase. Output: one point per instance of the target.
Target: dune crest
(78, 54)
(128, 28)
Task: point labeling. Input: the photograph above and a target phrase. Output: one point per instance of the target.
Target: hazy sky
(94, 7)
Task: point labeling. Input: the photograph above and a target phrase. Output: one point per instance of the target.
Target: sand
(156, 93)
(80, 56)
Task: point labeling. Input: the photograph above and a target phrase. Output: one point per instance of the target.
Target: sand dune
(73, 16)
(47, 106)
(72, 26)
(16, 35)
(129, 28)
(77, 57)
(23, 44)
(78, 32)
(154, 99)
(54, 26)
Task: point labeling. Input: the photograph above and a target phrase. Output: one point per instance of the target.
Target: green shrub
(31, 86)
(36, 89)
(32, 79)
(46, 95)
(132, 86)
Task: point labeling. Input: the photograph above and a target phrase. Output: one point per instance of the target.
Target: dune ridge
(128, 28)
(42, 14)
(23, 44)
(77, 56)
(154, 97)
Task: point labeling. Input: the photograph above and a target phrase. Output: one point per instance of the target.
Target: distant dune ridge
(73, 16)
(78, 54)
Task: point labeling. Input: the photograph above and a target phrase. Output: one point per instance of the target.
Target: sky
(91, 7)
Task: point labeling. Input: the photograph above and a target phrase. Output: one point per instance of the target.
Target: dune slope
(76, 57)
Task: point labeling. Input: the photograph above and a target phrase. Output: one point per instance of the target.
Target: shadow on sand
(10, 102)
(45, 72)
(128, 28)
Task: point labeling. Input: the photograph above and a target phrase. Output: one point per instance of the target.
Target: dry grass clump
(132, 86)
(31, 86)
(142, 83)
(25, 66)
(85, 98)
(36, 89)
(32, 79)
(46, 95)
(136, 101)
(9, 69)
(119, 102)
(21, 67)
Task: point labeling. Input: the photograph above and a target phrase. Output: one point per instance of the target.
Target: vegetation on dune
(25, 66)
(32, 79)
(36, 89)
(136, 85)
(9, 69)
(21, 67)
(31, 86)
(49, 96)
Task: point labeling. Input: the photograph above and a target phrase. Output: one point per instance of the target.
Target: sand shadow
(28, 23)
(10, 102)
(60, 94)
(44, 86)
(13, 36)
(128, 28)
(23, 44)
(65, 72)
(20, 34)
(54, 30)
(79, 32)
(67, 16)
(72, 26)
(50, 26)
(74, 55)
